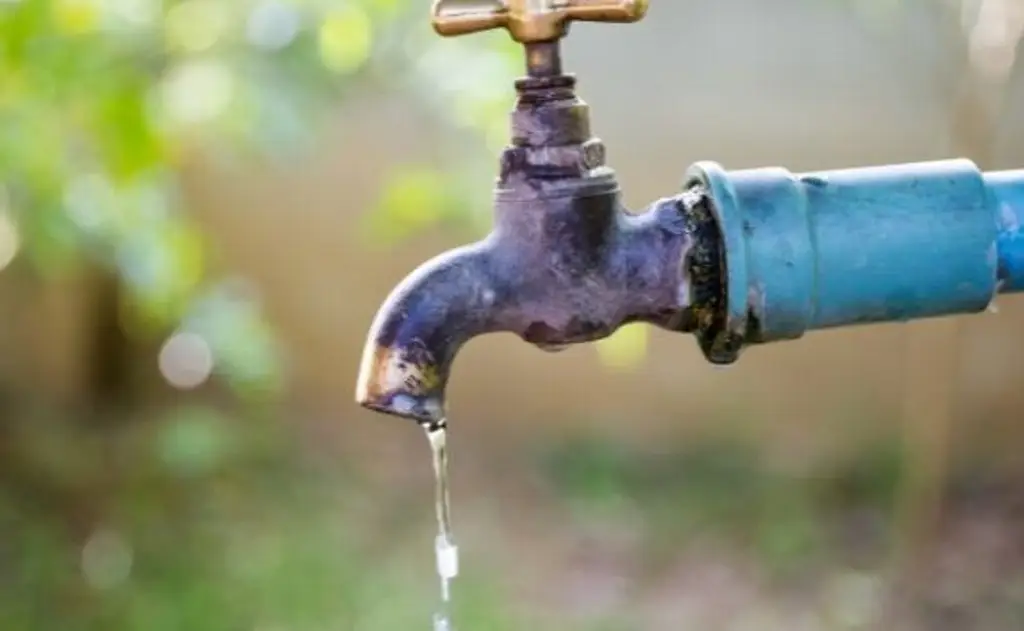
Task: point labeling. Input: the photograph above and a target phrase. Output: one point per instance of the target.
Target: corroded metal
(565, 263)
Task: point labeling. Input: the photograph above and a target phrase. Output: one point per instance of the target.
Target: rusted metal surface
(565, 263)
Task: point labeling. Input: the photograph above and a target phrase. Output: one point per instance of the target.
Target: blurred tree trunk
(110, 351)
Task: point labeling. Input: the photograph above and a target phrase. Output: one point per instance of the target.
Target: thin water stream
(444, 545)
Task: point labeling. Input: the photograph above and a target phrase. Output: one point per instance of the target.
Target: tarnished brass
(530, 21)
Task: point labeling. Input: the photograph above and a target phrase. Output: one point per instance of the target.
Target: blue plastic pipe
(1008, 190)
(853, 246)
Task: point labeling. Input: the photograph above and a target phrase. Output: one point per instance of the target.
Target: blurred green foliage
(197, 520)
(187, 519)
(104, 102)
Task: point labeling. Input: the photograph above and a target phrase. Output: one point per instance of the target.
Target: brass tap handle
(530, 21)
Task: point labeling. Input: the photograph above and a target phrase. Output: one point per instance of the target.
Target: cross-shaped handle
(531, 21)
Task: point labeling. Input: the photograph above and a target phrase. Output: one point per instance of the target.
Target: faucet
(735, 258)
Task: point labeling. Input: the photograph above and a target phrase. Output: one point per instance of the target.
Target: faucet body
(564, 264)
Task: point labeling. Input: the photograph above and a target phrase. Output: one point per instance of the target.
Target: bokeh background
(203, 202)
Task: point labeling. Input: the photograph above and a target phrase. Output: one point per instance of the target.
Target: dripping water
(446, 551)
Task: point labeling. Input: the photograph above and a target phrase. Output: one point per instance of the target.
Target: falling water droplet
(446, 551)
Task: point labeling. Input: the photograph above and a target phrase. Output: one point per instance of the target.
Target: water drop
(445, 550)
(442, 622)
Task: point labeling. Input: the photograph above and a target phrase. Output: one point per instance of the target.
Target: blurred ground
(191, 520)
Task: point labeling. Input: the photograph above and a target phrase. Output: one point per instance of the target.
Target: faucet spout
(591, 268)
(420, 328)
